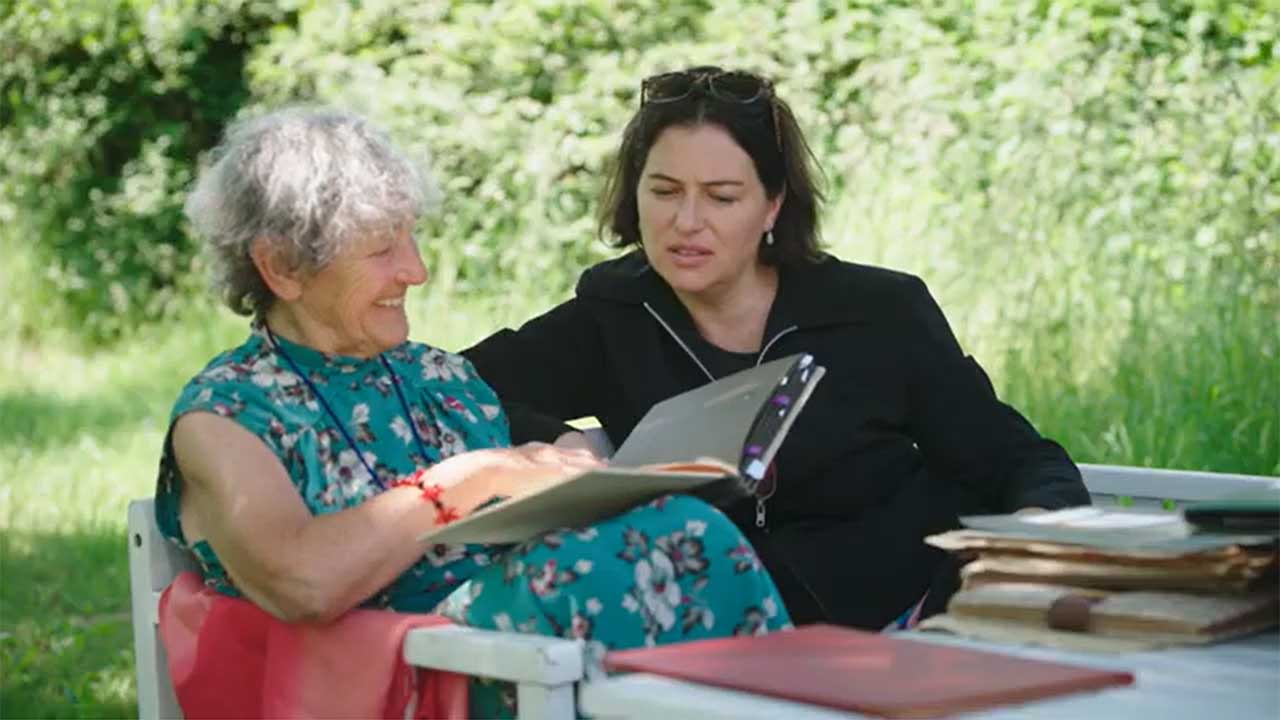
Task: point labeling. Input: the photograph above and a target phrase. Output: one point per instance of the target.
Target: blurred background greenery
(1090, 187)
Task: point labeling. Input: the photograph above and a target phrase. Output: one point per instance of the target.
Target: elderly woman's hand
(533, 466)
(475, 477)
(539, 465)
(542, 455)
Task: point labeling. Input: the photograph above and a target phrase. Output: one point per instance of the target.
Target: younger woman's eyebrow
(709, 183)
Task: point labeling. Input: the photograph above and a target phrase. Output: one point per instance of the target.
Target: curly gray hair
(308, 180)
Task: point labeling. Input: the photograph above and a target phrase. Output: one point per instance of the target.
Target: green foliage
(1090, 186)
(517, 103)
(103, 109)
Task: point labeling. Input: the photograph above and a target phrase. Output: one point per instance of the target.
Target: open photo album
(715, 442)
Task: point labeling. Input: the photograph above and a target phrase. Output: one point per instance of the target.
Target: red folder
(864, 672)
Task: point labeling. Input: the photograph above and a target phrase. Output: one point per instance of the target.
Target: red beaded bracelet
(432, 493)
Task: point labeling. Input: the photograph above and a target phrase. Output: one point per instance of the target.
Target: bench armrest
(501, 655)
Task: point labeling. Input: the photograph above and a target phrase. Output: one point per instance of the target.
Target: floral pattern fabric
(671, 570)
(451, 409)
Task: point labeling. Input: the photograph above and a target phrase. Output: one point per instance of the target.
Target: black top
(719, 361)
(903, 433)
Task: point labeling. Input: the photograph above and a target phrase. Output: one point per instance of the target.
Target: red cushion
(229, 659)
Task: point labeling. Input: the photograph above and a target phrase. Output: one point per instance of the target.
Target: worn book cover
(1219, 576)
(864, 672)
(1131, 529)
(715, 441)
(1219, 567)
(1089, 620)
(1180, 616)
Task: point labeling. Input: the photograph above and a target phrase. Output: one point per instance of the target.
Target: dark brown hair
(783, 161)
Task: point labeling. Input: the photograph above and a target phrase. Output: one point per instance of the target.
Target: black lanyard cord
(342, 428)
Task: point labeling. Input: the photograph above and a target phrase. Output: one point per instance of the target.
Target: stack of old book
(1095, 579)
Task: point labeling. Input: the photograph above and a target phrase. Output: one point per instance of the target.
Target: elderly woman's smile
(353, 305)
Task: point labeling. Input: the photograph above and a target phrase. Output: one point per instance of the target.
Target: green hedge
(104, 108)
(1090, 186)
(1106, 133)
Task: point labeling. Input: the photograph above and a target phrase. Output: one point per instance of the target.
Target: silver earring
(768, 238)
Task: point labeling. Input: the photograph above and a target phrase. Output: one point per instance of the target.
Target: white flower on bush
(659, 591)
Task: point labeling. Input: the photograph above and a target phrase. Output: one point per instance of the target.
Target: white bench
(544, 669)
(1149, 487)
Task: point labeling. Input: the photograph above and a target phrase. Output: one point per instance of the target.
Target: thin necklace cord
(342, 428)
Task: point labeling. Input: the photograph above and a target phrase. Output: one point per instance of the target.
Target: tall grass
(1122, 366)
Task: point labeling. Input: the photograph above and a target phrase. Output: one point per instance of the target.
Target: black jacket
(903, 433)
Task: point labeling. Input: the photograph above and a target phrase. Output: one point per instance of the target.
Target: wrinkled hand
(540, 455)
(538, 465)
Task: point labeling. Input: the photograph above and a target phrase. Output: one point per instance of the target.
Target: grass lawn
(80, 435)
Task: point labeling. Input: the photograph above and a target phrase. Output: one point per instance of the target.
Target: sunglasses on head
(726, 86)
(736, 87)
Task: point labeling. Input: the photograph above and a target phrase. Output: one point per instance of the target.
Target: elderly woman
(302, 466)
(714, 194)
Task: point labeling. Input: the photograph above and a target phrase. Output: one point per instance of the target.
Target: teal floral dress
(672, 570)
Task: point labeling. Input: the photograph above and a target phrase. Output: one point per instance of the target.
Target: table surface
(1230, 681)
